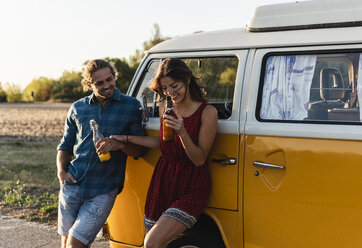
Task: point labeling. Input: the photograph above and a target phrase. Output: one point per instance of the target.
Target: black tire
(204, 234)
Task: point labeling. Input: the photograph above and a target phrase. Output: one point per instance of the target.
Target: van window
(217, 76)
(318, 88)
(144, 91)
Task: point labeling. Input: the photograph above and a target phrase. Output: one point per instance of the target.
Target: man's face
(103, 84)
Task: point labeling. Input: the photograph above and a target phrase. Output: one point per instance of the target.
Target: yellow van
(287, 160)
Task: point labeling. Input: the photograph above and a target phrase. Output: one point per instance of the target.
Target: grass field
(29, 134)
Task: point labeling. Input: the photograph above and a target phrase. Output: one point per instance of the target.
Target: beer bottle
(97, 136)
(168, 134)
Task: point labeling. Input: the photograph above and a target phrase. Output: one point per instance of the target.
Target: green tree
(68, 87)
(65, 88)
(13, 92)
(228, 76)
(39, 89)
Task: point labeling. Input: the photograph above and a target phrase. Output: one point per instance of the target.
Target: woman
(180, 184)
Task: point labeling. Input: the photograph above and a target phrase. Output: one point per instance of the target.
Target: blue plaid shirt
(121, 115)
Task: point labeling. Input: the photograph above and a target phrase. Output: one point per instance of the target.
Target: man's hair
(95, 65)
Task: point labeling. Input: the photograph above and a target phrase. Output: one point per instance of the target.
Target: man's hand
(63, 159)
(108, 144)
(63, 175)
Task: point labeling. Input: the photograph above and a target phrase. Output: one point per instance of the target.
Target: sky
(43, 38)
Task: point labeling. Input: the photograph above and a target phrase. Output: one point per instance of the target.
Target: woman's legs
(163, 232)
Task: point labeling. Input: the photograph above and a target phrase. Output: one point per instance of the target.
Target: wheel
(204, 234)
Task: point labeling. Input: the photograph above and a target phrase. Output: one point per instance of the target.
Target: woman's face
(174, 88)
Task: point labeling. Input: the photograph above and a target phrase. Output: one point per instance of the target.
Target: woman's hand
(176, 123)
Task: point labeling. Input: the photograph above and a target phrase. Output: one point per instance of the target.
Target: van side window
(318, 88)
(217, 76)
(144, 91)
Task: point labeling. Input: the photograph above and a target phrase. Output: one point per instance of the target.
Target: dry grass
(29, 134)
(33, 122)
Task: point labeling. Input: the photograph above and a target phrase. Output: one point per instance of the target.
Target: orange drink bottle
(97, 136)
(168, 134)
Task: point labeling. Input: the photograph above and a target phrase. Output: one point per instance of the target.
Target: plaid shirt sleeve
(69, 136)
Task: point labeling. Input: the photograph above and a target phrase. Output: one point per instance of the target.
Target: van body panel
(114, 244)
(315, 195)
(224, 177)
(126, 223)
(127, 226)
(229, 225)
(311, 199)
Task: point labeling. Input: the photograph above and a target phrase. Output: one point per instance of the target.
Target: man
(89, 186)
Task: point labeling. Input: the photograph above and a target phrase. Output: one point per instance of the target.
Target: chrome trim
(226, 161)
(265, 165)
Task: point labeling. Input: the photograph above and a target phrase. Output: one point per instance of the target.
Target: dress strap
(199, 110)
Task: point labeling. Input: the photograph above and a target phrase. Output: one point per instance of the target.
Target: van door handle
(265, 165)
(225, 161)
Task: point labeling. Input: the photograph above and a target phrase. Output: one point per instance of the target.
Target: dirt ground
(29, 213)
(32, 122)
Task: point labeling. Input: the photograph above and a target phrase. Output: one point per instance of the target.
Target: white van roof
(305, 15)
(279, 25)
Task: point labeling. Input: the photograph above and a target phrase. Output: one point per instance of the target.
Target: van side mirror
(146, 111)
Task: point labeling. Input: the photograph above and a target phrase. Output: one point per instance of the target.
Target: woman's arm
(146, 141)
(120, 142)
(129, 144)
(197, 153)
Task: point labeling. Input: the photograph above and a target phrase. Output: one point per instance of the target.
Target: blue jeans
(83, 218)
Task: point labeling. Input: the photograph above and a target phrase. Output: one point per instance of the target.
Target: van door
(220, 77)
(217, 73)
(303, 149)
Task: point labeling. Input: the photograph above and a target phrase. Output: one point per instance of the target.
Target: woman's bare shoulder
(209, 112)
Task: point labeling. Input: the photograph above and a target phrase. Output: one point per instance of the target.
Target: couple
(89, 187)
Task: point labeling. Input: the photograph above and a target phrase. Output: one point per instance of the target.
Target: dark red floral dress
(178, 189)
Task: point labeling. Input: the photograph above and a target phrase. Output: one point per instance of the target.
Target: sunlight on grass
(28, 179)
(29, 163)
